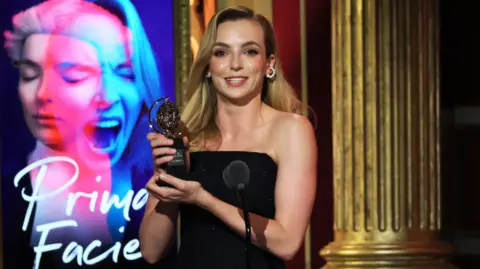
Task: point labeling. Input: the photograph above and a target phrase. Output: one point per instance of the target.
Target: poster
(78, 79)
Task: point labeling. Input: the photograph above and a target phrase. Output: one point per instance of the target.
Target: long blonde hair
(199, 112)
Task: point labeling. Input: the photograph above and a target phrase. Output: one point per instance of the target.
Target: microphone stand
(248, 228)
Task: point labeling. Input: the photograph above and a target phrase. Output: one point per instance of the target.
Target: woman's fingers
(163, 159)
(164, 194)
(157, 140)
(158, 152)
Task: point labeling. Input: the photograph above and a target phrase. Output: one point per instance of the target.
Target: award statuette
(167, 121)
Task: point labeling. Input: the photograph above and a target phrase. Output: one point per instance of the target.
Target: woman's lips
(236, 81)
(47, 120)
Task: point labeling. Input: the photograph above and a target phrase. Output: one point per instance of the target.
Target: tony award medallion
(166, 120)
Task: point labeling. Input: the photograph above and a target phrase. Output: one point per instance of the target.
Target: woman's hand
(183, 191)
(162, 149)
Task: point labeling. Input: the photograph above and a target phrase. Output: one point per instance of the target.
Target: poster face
(79, 78)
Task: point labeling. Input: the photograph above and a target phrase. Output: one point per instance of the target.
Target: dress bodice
(206, 242)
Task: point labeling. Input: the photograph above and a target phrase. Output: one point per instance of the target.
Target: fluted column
(385, 67)
(182, 47)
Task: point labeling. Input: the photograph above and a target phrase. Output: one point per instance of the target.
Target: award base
(178, 166)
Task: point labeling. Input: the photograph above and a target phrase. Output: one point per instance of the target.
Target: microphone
(236, 176)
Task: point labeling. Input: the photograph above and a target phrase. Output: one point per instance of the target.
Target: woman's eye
(29, 70)
(29, 73)
(126, 71)
(219, 53)
(73, 73)
(252, 52)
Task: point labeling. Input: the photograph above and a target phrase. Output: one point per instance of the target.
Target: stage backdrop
(76, 83)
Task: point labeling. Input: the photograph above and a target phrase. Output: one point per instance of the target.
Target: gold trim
(183, 61)
(183, 51)
(304, 95)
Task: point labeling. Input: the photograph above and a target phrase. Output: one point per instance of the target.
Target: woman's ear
(271, 61)
(270, 64)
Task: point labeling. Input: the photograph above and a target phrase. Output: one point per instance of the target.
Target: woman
(87, 77)
(240, 108)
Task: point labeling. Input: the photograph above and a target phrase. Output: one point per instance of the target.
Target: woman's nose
(108, 93)
(44, 95)
(236, 63)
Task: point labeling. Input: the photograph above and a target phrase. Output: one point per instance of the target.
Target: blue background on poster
(17, 141)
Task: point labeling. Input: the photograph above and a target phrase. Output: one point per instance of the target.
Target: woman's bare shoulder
(291, 122)
(291, 132)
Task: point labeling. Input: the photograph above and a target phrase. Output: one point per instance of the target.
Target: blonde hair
(199, 112)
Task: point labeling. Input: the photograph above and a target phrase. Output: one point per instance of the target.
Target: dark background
(460, 106)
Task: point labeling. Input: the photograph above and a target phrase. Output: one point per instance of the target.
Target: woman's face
(78, 89)
(239, 62)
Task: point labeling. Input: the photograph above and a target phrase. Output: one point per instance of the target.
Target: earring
(272, 74)
(209, 75)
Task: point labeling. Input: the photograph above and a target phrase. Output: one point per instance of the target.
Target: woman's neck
(234, 120)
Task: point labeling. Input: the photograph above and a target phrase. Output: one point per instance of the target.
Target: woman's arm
(157, 229)
(159, 222)
(296, 154)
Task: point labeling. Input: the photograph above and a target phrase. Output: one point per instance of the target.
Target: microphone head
(236, 175)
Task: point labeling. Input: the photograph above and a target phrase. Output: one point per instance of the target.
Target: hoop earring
(272, 74)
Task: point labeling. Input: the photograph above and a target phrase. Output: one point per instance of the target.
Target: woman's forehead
(43, 48)
(100, 30)
(87, 37)
(239, 32)
(62, 48)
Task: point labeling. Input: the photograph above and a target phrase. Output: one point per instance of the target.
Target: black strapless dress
(206, 242)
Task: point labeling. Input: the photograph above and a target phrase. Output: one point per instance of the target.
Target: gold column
(183, 50)
(385, 83)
